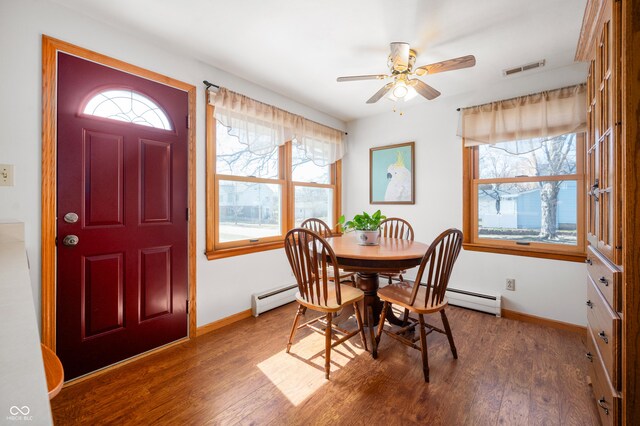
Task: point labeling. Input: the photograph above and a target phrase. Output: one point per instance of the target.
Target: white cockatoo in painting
(399, 177)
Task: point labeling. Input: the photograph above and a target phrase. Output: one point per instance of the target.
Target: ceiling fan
(401, 61)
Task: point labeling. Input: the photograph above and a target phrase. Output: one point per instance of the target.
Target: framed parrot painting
(392, 176)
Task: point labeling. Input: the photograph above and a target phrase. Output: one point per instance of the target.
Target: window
(313, 188)
(128, 106)
(254, 198)
(526, 197)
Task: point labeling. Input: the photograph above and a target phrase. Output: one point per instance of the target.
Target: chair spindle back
(310, 258)
(395, 227)
(436, 266)
(318, 226)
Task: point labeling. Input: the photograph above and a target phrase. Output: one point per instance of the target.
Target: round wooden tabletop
(388, 249)
(391, 254)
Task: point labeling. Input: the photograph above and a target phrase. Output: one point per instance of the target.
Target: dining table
(390, 255)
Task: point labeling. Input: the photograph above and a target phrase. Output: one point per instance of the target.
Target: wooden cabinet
(606, 277)
(603, 137)
(607, 396)
(604, 206)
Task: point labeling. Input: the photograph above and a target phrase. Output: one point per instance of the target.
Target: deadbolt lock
(71, 217)
(70, 240)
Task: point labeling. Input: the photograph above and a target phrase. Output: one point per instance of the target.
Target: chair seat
(349, 295)
(400, 294)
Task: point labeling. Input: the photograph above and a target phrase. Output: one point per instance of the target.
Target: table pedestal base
(368, 283)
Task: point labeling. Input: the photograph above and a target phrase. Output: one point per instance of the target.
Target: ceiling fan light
(400, 90)
(411, 93)
(405, 92)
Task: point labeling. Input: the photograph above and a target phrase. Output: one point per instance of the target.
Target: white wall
(223, 286)
(547, 288)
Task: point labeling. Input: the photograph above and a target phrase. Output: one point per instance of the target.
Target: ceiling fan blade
(424, 89)
(380, 93)
(362, 77)
(399, 56)
(448, 65)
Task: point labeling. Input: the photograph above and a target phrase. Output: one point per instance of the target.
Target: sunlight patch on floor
(300, 373)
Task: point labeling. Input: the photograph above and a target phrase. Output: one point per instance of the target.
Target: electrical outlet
(6, 174)
(511, 284)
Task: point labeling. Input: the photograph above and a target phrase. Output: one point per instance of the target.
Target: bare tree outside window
(250, 209)
(511, 196)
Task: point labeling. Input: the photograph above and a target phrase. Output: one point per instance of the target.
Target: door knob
(70, 240)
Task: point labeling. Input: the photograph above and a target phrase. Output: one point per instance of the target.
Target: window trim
(236, 248)
(471, 241)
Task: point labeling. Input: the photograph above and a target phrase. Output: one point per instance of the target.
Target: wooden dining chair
(311, 258)
(424, 296)
(321, 228)
(395, 227)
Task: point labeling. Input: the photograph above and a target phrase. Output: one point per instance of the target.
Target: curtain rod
(206, 83)
(209, 85)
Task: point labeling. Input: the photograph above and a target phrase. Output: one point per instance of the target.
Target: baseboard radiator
(479, 302)
(274, 298)
(271, 299)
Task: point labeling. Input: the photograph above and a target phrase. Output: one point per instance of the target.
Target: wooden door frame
(50, 48)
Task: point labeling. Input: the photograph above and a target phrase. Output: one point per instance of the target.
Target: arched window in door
(129, 106)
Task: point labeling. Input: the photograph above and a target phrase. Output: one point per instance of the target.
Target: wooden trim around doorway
(50, 48)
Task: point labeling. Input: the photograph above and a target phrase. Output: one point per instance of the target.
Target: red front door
(121, 215)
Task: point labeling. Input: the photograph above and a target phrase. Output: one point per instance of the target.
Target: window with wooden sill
(254, 199)
(526, 198)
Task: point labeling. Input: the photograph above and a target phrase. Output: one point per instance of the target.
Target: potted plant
(366, 227)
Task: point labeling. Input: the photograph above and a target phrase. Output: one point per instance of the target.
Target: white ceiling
(298, 47)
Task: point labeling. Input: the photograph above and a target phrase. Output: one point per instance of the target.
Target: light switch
(6, 174)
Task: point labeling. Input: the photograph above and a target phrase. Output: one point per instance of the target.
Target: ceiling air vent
(525, 67)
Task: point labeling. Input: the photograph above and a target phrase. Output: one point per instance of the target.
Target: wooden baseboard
(125, 362)
(223, 322)
(506, 313)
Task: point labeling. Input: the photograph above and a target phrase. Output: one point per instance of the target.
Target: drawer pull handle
(602, 403)
(590, 304)
(589, 356)
(604, 281)
(603, 336)
(588, 262)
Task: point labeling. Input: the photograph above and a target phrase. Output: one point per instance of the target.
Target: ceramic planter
(368, 238)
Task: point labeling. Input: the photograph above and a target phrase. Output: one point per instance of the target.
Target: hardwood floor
(508, 372)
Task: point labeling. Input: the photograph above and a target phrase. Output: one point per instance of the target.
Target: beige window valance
(262, 127)
(542, 115)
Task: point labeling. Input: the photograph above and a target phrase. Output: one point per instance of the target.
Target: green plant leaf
(362, 222)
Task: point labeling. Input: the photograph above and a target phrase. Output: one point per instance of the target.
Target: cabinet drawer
(605, 325)
(606, 397)
(606, 277)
